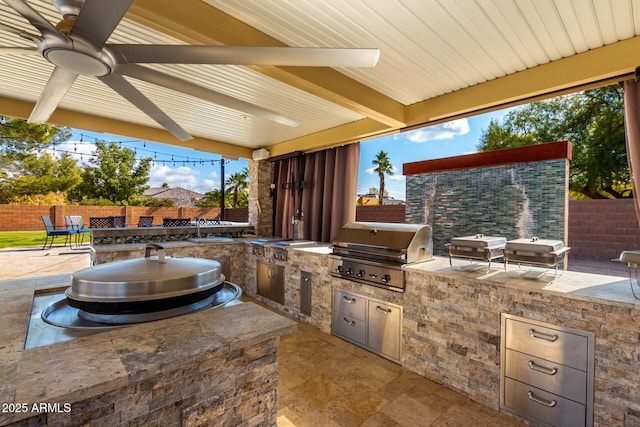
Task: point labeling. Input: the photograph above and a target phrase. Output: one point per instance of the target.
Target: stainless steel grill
(374, 253)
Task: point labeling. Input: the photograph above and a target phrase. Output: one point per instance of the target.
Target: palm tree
(237, 182)
(383, 167)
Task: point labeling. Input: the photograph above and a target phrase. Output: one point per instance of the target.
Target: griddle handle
(160, 249)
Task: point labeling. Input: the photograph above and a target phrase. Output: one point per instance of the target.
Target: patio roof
(440, 60)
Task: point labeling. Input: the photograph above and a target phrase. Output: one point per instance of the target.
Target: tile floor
(325, 381)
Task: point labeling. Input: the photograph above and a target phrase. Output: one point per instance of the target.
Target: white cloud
(182, 176)
(373, 172)
(81, 152)
(396, 177)
(447, 130)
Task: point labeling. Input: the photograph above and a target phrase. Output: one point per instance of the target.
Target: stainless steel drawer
(551, 344)
(349, 304)
(544, 406)
(384, 329)
(349, 328)
(553, 377)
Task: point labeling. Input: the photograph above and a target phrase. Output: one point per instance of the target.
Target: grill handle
(158, 248)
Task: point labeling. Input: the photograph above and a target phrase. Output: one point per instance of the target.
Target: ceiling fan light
(77, 62)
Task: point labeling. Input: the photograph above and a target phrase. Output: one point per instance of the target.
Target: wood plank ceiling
(440, 59)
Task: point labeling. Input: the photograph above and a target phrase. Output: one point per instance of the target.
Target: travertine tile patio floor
(325, 381)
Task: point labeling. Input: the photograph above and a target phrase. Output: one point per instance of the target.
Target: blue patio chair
(53, 233)
(75, 223)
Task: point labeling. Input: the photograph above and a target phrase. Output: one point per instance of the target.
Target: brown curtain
(632, 127)
(326, 195)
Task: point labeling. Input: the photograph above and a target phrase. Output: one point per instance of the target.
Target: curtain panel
(320, 188)
(632, 131)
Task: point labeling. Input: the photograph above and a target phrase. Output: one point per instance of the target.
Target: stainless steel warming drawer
(546, 372)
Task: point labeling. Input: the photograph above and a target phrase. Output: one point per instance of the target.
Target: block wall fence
(27, 218)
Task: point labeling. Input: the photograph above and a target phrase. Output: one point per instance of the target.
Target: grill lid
(405, 243)
(145, 279)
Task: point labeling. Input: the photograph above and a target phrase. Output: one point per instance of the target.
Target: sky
(179, 167)
(200, 171)
(449, 139)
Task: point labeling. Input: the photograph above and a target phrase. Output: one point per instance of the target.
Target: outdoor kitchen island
(214, 367)
(451, 322)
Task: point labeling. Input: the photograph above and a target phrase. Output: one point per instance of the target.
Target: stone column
(260, 200)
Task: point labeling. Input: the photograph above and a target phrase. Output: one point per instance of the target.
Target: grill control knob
(361, 273)
(349, 271)
(386, 278)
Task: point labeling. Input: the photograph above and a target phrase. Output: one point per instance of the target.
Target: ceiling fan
(77, 46)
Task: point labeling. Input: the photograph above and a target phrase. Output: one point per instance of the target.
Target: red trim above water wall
(530, 153)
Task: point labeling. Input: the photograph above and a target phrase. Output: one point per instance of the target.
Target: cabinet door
(277, 284)
(264, 279)
(383, 334)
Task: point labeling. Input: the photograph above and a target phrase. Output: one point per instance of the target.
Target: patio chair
(176, 222)
(53, 233)
(76, 223)
(99, 222)
(145, 221)
(118, 221)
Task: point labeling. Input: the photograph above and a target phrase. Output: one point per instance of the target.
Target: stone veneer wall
(226, 389)
(298, 262)
(512, 201)
(260, 200)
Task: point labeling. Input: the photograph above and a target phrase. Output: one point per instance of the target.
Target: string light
(175, 159)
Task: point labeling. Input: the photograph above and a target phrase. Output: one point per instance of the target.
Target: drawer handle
(542, 369)
(348, 322)
(383, 310)
(542, 335)
(549, 403)
(349, 300)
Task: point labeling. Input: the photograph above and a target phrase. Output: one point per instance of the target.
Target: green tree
(117, 175)
(592, 120)
(237, 183)
(19, 139)
(211, 199)
(25, 170)
(374, 190)
(383, 167)
(42, 174)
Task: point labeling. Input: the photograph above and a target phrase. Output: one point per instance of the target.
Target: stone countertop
(569, 284)
(73, 371)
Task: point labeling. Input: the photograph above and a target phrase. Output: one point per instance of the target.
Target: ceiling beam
(595, 67)
(73, 119)
(340, 135)
(195, 22)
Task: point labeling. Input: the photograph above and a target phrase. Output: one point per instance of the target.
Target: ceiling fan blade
(164, 80)
(98, 18)
(244, 55)
(134, 96)
(20, 50)
(37, 20)
(55, 89)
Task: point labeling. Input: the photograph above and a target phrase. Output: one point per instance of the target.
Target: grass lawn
(16, 239)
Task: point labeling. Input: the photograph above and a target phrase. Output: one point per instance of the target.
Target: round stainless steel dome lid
(145, 278)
